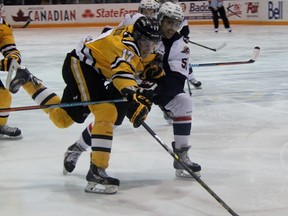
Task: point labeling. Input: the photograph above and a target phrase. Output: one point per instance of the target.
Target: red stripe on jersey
(182, 118)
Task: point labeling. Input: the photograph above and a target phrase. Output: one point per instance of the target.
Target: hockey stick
(62, 105)
(189, 88)
(255, 55)
(26, 23)
(198, 179)
(212, 49)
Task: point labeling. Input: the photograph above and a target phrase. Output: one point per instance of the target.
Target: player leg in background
(74, 151)
(7, 132)
(180, 108)
(223, 16)
(42, 96)
(215, 18)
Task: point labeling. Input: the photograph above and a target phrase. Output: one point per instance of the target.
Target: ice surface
(240, 136)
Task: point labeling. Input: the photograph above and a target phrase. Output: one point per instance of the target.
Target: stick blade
(256, 53)
(221, 46)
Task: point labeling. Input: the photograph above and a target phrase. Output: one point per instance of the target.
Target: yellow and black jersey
(7, 42)
(114, 55)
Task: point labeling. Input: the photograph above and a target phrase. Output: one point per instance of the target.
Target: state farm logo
(252, 9)
(106, 13)
(87, 14)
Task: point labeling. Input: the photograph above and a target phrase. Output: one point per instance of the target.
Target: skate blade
(65, 172)
(93, 187)
(5, 137)
(185, 175)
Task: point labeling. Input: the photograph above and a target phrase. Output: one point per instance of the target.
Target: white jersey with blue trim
(178, 56)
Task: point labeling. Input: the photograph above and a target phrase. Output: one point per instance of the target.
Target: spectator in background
(217, 9)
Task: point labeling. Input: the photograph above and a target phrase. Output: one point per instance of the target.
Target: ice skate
(71, 157)
(7, 132)
(183, 154)
(21, 77)
(100, 182)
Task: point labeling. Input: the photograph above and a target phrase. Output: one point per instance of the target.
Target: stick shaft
(200, 45)
(199, 180)
(255, 55)
(223, 63)
(61, 105)
(189, 87)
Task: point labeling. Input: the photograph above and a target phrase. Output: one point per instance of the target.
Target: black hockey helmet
(147, 28)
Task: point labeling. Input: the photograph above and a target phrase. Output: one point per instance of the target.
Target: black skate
(71, 157)
(7, 132)
(100, 182)
(22, 77)
(183, 154)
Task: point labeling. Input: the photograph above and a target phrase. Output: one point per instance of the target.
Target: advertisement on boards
(242, 12)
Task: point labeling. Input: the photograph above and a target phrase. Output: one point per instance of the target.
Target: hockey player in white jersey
(147, 8)
(184, 31)
(173, 101)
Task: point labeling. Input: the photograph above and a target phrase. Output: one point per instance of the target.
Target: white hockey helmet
(170, 10)
(173, 1)
(149, 5)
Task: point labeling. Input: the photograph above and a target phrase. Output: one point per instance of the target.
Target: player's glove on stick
(152, 72)
(5, 64)
(138, 108)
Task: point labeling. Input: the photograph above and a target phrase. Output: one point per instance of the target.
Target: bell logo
(275, 12)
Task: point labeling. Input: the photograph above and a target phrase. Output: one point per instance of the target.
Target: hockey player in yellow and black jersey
(173, 53)
(10, 52)
(115, 55)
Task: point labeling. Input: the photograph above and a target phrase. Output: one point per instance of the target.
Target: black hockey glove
(138, 108)
(152, 72)
(5, 64)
